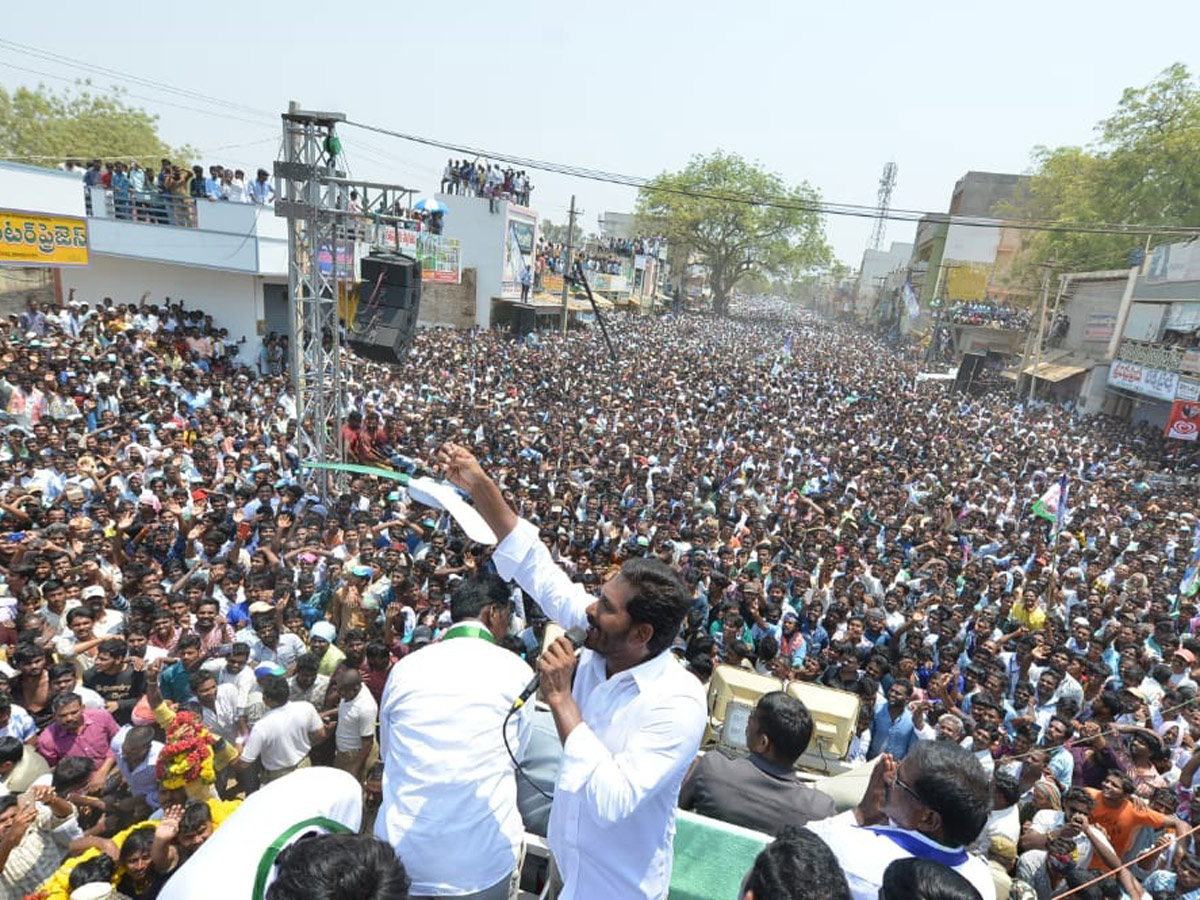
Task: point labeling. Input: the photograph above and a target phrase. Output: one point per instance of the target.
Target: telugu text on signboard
(30, 239)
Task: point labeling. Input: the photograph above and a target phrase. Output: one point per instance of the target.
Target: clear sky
(820, 92)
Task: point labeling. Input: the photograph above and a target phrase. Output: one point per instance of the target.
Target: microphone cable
(516, 764)
(576, 636)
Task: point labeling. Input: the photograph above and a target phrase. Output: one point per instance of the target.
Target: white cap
(97, 890)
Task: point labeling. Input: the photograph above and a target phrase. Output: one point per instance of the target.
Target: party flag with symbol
(1052, 504)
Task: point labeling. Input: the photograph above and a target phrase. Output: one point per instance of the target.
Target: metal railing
(1155, 355)
(149, 207)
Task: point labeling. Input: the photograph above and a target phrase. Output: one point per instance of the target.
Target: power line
(50, 56)
(93, 152)
(158, 100)
(823, 208)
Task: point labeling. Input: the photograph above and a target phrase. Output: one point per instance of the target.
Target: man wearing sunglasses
(931, 805)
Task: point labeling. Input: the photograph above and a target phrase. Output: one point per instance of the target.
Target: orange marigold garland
(188, 754)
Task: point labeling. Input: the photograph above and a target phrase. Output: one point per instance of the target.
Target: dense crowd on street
(994, 315)
(637, 246)
(183, 620)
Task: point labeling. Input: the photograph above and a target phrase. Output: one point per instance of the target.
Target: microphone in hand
(576, 636)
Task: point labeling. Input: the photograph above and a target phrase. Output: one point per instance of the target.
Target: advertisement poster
(440, 256)
(1185, 420)
(1100, 326)
(518, 251)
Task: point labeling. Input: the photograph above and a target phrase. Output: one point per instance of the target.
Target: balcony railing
(1156, 356)
(148, 207)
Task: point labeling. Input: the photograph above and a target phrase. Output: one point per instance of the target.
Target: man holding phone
(29, 852)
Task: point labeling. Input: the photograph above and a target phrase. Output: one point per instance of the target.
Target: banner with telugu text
(31, 239)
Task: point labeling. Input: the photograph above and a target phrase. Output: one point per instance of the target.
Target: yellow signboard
(29, 239)
(967, 281)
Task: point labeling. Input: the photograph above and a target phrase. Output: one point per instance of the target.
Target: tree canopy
(43, 127)
(557, 234)
(709, 211)
(1143, 167)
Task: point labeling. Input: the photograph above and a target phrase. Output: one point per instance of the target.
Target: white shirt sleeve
(523, 557)
(616, 783)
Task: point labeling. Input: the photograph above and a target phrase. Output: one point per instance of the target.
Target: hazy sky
(826, 93)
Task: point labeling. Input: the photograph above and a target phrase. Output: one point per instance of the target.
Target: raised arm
(520, 555)
(461, 467)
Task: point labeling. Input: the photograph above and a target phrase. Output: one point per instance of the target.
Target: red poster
(1185, 420)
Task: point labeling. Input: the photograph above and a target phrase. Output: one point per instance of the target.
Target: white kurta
(864, 854)
(613, 819)
(449, 789)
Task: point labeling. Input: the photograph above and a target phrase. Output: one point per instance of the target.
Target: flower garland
(188, 754)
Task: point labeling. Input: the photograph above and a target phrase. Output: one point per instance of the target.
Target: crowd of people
(183, 620)
(479, 178)
(551, 256)
(993, 315)
(637, 246)
(168, 195)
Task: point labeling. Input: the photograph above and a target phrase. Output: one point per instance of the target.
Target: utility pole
(569, 261)
(1046, 267)
(939, 314)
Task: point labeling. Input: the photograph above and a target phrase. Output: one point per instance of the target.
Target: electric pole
(1037, 347)
(567, 270)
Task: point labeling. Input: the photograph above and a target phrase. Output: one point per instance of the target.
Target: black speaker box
(389, 302)
(971, 368)
(524, 320)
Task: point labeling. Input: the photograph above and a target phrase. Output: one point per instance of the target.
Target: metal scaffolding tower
(323, 231)
(883, 203)
(304, 196)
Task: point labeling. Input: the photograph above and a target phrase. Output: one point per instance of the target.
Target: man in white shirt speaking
(632, 722)
(449, 788)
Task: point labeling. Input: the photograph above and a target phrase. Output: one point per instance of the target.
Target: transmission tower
(311, 193)
(883, 202)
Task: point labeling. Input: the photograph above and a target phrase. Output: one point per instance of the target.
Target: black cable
(822, 208)
(520, 769)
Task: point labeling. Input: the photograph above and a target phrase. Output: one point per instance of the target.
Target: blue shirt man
(814, 633)
(892, 728)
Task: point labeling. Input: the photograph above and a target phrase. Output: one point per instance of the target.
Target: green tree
(44, 127)
(1144, 168)
(555, 234)
(713, 210)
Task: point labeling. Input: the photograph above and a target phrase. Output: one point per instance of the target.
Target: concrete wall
(482, 233)
(452, 305)
(1093, 391)
(234, 300)
(1093, 303)
(20, 284)
(878, 264)
(968, 243)
(39, 190)
(978, 193)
